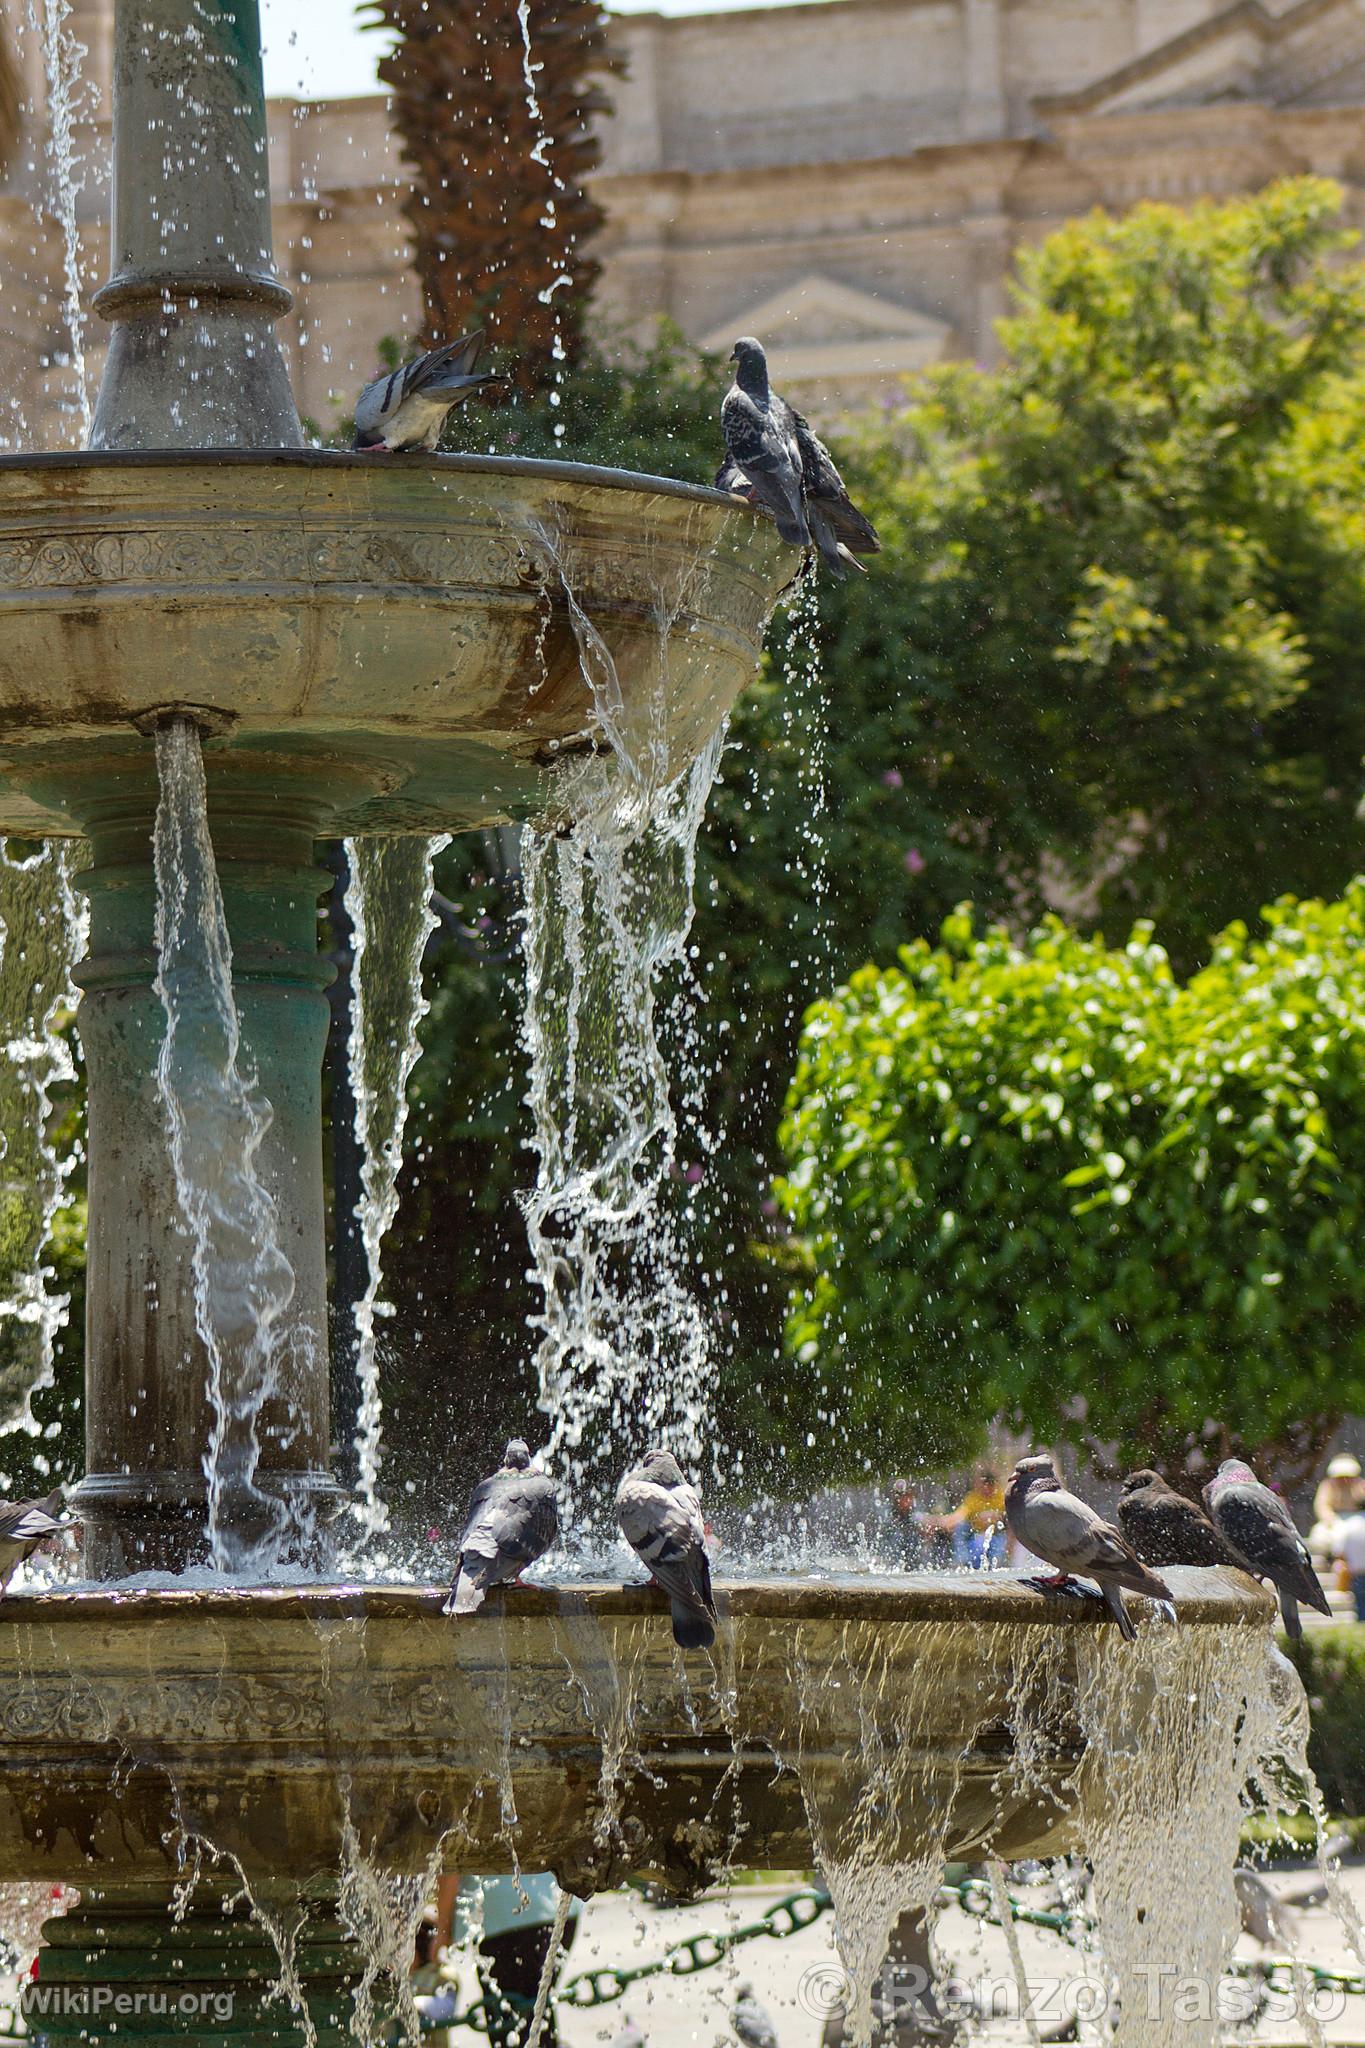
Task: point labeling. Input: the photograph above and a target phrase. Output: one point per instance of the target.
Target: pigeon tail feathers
(692, 1630)
(1113, 1600)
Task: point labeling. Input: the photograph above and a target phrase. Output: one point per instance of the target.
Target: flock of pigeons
(514, 1518)
(774, 459)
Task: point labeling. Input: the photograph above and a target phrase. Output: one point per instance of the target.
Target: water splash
(560, 244)
(43, 927)
(623, 1352)
(1174, 1733)
(805, 734)
(218, 1118)
(388, 900)
(68, 103)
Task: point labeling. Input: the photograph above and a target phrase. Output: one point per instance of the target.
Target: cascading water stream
(42, 935)
(67, 105)
(623, 1354)
(388, 900)
(217, 1118)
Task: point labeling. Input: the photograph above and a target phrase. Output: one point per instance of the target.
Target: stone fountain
(375, 646)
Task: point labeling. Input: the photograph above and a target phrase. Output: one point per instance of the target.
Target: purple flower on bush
(915, 862)
(693, 1174)
(893, 779)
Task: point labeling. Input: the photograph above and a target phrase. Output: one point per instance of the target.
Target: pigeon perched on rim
(760, 437)
(24, 1524)
(776, 461)
(753, 2022)
(513, 1519)
(1258, 1529)
(660, 1517)
(1166, 1527)
(1066, 1532)
(407, 407)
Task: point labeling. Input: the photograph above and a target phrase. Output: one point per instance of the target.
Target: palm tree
(495, 107)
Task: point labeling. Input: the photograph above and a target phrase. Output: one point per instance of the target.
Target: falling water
(388, 900)
(67, 105)
(42, 935)
(549, 220)
(218, 1118)
(623, 1353)
(805, 735)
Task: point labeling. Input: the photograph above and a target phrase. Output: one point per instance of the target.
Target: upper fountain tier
(396, 644)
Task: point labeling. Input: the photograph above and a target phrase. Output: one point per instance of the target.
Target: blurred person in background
(1348, 1545)
(977, 1526)
(1334, 1500)
(516, 1917)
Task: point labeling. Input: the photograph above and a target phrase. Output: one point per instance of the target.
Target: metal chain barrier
(790, 1915)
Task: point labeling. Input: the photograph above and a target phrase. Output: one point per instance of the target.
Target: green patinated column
(148, 1418)
(123, 1966)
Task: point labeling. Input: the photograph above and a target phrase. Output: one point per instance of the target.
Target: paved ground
(795, 1979)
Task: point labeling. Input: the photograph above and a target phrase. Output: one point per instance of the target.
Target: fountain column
(148, 1415)
(194, 365)
(194, 361)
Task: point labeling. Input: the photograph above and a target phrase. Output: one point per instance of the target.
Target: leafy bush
(1331, 1663)
(1050, 1180)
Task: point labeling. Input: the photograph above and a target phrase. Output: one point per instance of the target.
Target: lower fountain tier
(270, 1723)
(388, 644)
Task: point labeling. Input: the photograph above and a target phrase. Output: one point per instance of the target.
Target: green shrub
(1331, 1663)
(1050, 1180)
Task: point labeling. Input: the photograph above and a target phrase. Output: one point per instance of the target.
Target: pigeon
(838, 528)
(1061, 1529)
(660, 1517)
(512, 1521)
(840, 531)
(24, 1524)
(632, 2034)
(1264, 1916)
(407, 408)
(1259, 1530)
(753, 2022)
(1165, 1527)
(760, 437)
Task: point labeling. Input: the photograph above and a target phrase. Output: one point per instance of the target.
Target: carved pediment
(817, 329)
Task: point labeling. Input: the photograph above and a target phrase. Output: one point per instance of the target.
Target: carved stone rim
(1217, 1596)
(510, 466)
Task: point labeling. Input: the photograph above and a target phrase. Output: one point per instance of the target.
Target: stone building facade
(846, 179)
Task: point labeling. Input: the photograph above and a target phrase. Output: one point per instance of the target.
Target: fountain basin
(387, 643)
(266, 1720)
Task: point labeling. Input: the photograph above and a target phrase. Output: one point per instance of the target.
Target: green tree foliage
(1108, 661)
(1054, 1181)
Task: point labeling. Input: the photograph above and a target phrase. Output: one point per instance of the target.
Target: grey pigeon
(1266, 1918)
(407, 408)
(838, 528)
(512, 1520)
(777, 462)
(1259, 1530)
(632, 2034)
(1166, 1527)
(24, 1524)
(1065, 1532)
(660, 1517)
(753, 2022)
(760, 437)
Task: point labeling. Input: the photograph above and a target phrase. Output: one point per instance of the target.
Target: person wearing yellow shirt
(977, 1525)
